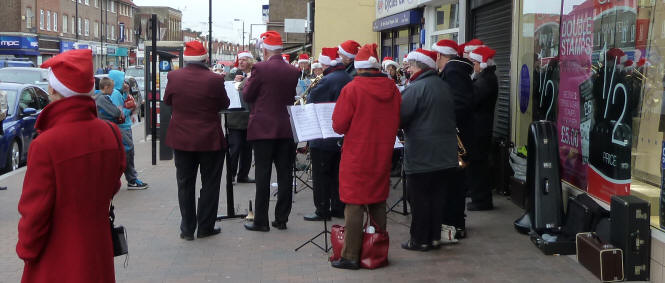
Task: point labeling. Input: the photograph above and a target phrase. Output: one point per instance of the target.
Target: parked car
(25, 75)
(16, 62)
(23, 103)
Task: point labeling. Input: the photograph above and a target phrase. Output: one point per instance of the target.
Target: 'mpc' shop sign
(18, 42)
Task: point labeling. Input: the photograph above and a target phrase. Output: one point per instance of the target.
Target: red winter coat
(367, 113)
(74, 169)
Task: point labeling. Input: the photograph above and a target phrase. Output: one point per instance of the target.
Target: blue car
(22, 104)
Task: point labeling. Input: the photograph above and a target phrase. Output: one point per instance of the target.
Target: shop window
(447, 16)
(48, 20)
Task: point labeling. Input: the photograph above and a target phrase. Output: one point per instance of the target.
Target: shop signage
(110, 50)
(402, 19)
(18, 42)
(66, 45)
(525, 88)
(266, 13)
(662, 157)
(386, 8)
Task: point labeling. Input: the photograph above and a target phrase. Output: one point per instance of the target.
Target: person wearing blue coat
(118, 98)
(326, 153)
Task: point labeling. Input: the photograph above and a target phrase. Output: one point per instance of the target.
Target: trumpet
(461, 152)
(303, 97)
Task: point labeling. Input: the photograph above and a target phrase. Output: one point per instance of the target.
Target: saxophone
(461, 152)
(303, 98)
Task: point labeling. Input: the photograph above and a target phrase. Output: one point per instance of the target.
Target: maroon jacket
(270, 88)
(197, 96)
(74, 169)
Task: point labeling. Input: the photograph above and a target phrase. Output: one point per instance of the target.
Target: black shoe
(252, 227)
(479, 206)
(412, 246)
(214, 231)
(345, 264)
(279, 225)
(315, 217)
(186, 237)
(246, 180)
(460, 233)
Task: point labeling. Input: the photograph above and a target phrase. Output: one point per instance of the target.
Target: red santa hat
(329, 56)
(404, 60)
(642, 62)
(194, 51)
(316, 65)
(70, 73)
(388, 61)
(367, 58)
(242, 54)
(286, 57)
(349, 48)
(426, 57)
(303, 58)
(446, 47)
(270, 40)
(483, 55)
(472, 45)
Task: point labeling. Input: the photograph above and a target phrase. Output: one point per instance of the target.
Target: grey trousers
(128, 141)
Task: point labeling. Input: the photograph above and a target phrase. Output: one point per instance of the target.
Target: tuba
(302, 100)
(461, 152)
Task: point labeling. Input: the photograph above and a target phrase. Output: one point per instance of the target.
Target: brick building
(170, 22)
(40, 29)
(290, 9)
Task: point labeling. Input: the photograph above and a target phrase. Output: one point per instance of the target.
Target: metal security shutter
(492, 23)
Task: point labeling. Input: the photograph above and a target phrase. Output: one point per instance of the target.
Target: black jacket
(485, 93)
(351, 69)
(328, 90)
(457, 73)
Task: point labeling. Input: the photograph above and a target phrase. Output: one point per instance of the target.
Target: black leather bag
(118, 234)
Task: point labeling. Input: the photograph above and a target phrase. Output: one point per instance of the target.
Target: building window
(87, 27)
(28, 18)
(73, 25)
(112, 7)
(48, 20)
(96, 29)
(64, 23)
(87, 2)
(55, 21)
(96, 3)
(113, 32)
(78, 24)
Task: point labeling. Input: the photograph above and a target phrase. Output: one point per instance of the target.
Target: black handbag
(118, 234)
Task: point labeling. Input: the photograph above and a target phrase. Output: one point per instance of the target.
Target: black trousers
(455, 199)
(240, 161)
(479, 182)
(425, 192)
(325, 171)
(281, 152)
(187, 163)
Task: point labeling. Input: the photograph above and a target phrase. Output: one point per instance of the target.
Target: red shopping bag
(337, 241)
(374, 252)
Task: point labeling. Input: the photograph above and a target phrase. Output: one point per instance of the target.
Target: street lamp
(243, 31)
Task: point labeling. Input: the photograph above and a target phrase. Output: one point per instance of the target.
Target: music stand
(305, 171)
(325, 233)
(230, 211)
(402, 179)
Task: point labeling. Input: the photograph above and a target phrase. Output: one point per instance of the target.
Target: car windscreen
(21, 76)
(11, 100)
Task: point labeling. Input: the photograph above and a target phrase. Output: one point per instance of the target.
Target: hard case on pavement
(631, 232)
(603, 260)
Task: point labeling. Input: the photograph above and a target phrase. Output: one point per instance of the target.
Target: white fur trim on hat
(446, 50)
(469, 48)
(245, 55)
(325, 60)
(61, 88)
(271, 47)
(303, 61)
(417, 56)
(476, 57)
(316, 65)
(195, 58)
(371, 63)
(347, 54)
(387, 63)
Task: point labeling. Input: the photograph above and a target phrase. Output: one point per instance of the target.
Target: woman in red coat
(74, 169)
(367, 113)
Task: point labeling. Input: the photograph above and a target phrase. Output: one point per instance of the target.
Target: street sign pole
(153, 106)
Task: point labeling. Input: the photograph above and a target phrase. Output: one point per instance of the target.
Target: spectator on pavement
(428, 119)
(270, 88)
(240, 150)
(196, 96)
(118, 97)
(106, 110)
(367, 114)
(485, 93)
(73, 171)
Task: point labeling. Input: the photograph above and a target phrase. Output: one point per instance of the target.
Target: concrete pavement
(493, 252)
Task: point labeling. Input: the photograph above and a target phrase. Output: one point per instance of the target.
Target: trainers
(137, 185)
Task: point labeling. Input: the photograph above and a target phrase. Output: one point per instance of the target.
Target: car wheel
(14, 157)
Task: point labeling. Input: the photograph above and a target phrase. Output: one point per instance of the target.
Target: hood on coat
(376, 85)
(118, 78)
(70, 109)
(458, 64)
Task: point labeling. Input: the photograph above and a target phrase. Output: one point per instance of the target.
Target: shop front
(595, 68)
(19, 46)
(400, 33)
(48, 47)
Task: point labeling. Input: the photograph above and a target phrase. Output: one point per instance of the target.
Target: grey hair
(419, 65)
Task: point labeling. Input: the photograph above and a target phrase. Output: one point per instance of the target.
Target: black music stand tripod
(325, 234)
(402, 179)
(230, 211)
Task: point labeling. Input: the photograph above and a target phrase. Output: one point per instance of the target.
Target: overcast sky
(195, 16)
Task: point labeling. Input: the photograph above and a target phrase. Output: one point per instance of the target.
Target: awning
(296, 49)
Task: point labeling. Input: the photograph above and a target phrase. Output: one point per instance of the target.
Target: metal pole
(210, 32)
(77, 20)
(106, 12)
(101, 35)
(243, 35)
(153, 106)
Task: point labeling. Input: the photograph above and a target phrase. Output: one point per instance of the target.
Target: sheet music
(304, 122)
(398, 144)
(233, 94)
(324, 113)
